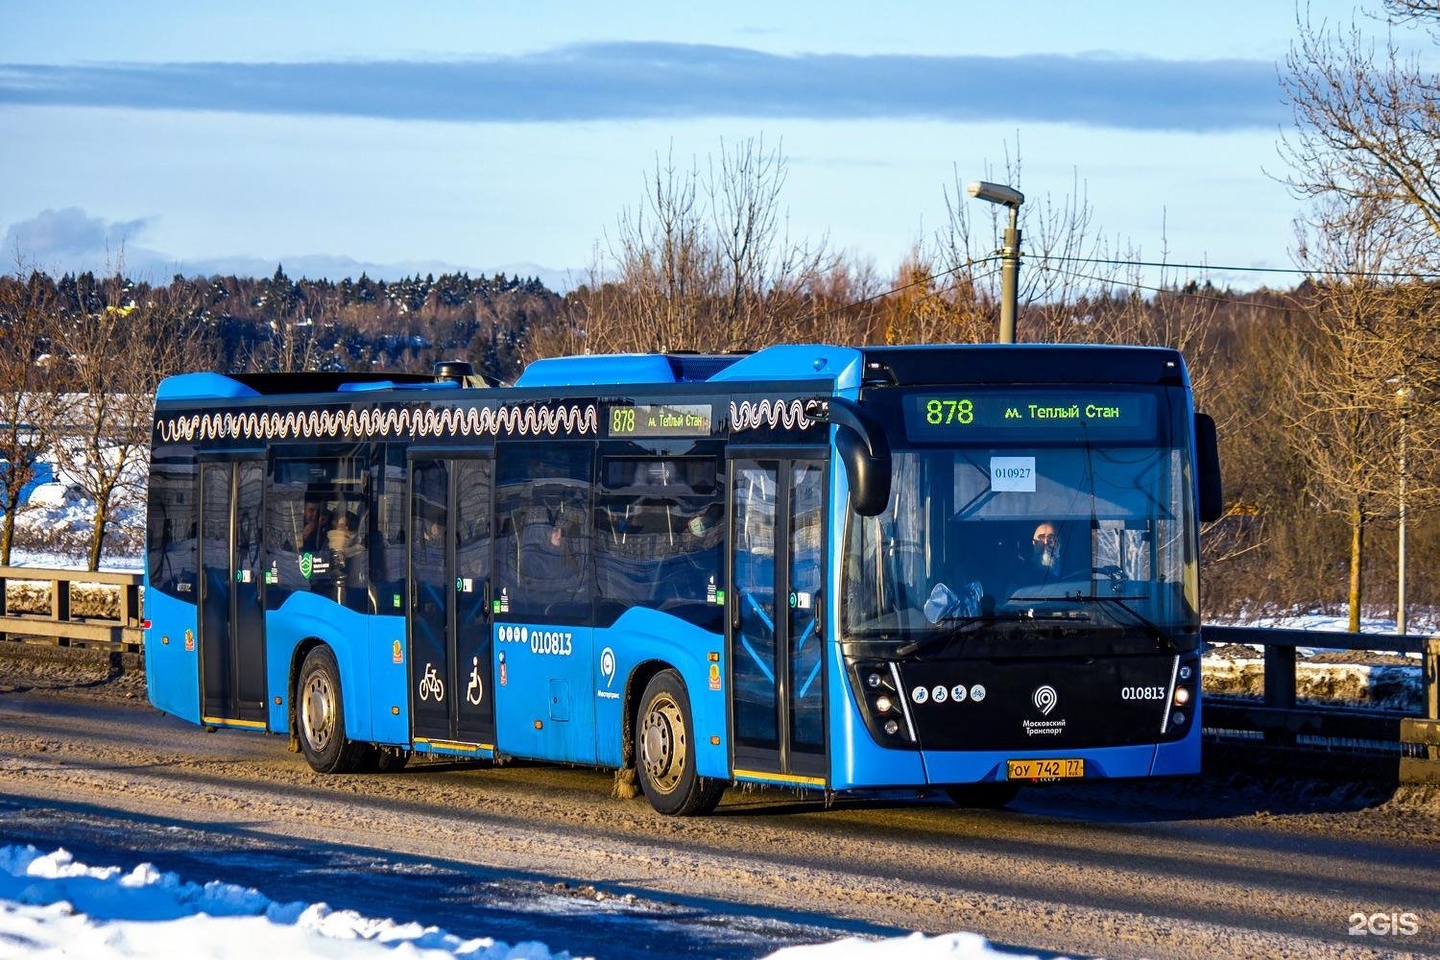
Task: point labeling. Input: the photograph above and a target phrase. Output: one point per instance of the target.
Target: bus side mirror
(1207, 467)
(863, 449)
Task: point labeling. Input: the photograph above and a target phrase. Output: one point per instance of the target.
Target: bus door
(775, 644)
(451, 687)
(232, 617)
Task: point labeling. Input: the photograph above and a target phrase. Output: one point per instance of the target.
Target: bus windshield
(1048, 539)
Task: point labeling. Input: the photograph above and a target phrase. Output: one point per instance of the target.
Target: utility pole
(1009, 252)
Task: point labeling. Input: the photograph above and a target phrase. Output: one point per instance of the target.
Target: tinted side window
(170, 527)
(318, 529)
(544, 562)
(659, 534)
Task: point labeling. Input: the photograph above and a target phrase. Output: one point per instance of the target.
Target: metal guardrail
(1279, 729)
(121, 633)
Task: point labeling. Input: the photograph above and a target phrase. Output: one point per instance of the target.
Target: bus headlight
(1182, 696)
(876, 684)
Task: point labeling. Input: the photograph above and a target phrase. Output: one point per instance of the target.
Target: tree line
(1311, 437)
(81, 357)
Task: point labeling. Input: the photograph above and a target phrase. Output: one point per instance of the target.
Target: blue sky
(335, 137)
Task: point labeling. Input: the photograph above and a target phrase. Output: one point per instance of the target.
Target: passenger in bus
(692, 572)
(316, 525)
(341, 536)
(549, 567)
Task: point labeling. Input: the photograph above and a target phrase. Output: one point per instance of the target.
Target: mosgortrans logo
(1045, 698)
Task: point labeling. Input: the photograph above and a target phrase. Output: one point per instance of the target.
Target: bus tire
(986, 796)
(320, 716)
(665, 751)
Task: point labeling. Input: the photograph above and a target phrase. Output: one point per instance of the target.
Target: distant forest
(1319, 418)
(245, 324)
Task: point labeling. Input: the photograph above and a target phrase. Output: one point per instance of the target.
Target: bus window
(171, 528)
(659, 533)
(388, 555)
(544, 564)
(317, 521)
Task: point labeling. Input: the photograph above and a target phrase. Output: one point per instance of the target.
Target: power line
(1216, 298)
(1042, 263)
(1218, 268)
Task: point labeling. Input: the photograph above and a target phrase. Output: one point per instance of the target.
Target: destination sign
(661, 420)
(956, 415)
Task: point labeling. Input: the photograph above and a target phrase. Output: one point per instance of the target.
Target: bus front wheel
(320, 714)
(665, 751)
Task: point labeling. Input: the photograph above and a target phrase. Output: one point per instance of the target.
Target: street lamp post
(1009, 252)
(1403, 395)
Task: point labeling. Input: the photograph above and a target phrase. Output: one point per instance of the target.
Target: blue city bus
(954, 568)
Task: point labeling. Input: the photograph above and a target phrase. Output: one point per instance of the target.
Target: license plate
(1063, 769)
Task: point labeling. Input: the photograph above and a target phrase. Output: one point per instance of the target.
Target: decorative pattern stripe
(531, 419)
(750, 415)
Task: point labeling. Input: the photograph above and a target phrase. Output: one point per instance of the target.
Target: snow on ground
(1325, 674)
(52, 906)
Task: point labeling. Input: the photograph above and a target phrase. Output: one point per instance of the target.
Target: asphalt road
(1223, 866)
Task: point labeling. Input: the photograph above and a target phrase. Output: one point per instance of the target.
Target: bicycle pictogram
(432, 685)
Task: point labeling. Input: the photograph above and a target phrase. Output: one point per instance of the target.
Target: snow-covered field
(52, 906)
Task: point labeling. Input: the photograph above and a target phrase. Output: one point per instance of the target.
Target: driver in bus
(1043, 562)
(1039, 564)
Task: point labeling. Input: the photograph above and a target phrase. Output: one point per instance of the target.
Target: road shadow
(601, 919)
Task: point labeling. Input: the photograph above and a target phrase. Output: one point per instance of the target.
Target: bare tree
(703, 263)
(928, 305)
(1367, 121)
(1065, 258)
(28, 388)
(116, 359)
(1352, 368)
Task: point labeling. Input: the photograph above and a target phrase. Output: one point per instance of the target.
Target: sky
(329, 137)
(52, 905)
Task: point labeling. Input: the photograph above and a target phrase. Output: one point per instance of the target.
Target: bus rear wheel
(665, 753)
(320, 715)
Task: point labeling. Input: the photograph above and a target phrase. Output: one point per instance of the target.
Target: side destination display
(661, 420)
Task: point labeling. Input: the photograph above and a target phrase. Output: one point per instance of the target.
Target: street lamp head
(996, 193)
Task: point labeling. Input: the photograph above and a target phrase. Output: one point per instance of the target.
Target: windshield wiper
(1137, 618)
(962, 627)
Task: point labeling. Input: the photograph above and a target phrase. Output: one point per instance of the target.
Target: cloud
(72, 241)
(71, 235)
(618, 81)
